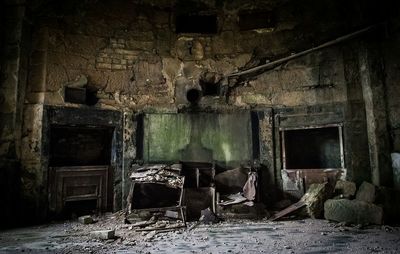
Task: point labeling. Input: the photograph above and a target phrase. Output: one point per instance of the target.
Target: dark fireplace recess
(80, 146)
(83, 150)
(312, 148)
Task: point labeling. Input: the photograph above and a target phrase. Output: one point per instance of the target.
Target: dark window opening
(210, 89)
(202, 24)
(256, 20)
(80, 146)
(312, 148)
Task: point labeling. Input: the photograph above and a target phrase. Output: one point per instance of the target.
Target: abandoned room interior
(200, 126)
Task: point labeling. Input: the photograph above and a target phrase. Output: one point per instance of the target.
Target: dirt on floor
(295, 236)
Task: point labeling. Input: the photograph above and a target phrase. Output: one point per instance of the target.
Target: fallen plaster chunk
(86, 219)
(103, 234)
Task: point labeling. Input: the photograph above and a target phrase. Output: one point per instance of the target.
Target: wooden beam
(302, 53)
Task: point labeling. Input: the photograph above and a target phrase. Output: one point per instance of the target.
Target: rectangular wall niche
(256, 20)
(202, 24)
(312, 148)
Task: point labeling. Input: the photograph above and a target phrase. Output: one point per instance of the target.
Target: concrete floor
(298, 236)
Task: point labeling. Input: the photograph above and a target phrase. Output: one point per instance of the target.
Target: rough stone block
(353, 211)
(103, 66)
(103, 234)
(366, 192)
(315, 197)
(87, 219)
(345, 188)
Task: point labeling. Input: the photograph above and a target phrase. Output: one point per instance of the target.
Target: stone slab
(86, 219)
(103, 234)
(353, 211)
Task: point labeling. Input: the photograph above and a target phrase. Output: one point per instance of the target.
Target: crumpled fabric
(249, 188)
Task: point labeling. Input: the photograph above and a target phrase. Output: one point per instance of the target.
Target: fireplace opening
(80, 172)
(312, 148)
(154, 195)
(79, 208)
(80, 146)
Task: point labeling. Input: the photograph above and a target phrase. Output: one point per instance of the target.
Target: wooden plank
(288, 210)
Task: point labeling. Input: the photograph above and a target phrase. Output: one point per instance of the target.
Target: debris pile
(243, 204)
(360, 210)
(163, 174)
(155, 198)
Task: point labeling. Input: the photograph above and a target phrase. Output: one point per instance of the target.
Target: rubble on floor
(157, 193)
(231, 236)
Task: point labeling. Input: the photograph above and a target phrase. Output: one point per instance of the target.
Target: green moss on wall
(168, 137)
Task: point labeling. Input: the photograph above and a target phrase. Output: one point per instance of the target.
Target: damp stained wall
(224, 138)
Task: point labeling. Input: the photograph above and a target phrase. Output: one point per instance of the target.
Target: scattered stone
(86, 219)
(353, 211)
(150, 235)
(346, 188)
(366, 192)
(103, 234)
(315, 197)
(208, 216)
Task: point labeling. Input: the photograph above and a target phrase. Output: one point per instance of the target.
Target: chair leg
(183, 216)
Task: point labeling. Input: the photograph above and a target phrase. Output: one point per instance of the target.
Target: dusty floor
(298, 236)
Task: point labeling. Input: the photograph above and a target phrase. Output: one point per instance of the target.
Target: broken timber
(302, 53)
(286, 211)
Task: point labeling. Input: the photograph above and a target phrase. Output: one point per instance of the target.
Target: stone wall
(133, 58)
(13, 74)
(135, 62)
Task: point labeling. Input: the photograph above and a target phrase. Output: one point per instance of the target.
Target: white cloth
(249, 188)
